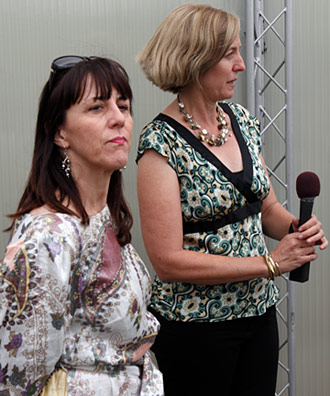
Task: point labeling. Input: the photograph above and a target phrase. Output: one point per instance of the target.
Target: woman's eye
(229, 54)
(123, 106)
(95, 107)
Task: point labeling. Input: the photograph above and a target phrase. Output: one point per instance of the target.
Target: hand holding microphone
(308, 187)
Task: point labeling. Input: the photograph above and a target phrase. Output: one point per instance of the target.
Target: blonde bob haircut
(190, 40)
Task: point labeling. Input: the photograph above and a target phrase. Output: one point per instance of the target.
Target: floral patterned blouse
(211, 193)
(72, 298)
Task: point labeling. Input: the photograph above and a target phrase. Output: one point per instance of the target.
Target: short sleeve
(158, 136)
(34, 309)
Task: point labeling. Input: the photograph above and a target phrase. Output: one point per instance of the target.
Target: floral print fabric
(208, 189)
(71, 297)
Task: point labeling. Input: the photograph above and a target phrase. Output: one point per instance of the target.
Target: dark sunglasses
(66, 62)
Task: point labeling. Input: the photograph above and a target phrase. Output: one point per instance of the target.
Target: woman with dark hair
(73, 291)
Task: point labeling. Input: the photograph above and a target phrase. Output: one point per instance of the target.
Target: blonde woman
(205, 203)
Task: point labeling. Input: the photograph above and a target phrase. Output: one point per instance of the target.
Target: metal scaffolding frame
(260, 78)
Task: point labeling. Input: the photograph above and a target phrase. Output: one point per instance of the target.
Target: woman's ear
(60, 139)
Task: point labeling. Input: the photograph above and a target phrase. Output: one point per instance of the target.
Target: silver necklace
(204, 134)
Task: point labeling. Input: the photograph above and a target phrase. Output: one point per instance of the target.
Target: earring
(66, 164)
(123, 168)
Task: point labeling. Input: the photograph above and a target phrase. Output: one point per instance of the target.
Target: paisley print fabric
(208, 191)
(72, 298)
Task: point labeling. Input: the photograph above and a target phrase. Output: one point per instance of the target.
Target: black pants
(232, 358)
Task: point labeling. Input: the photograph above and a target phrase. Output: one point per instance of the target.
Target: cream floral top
(72, 298)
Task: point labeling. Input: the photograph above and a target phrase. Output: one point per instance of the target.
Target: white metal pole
(249, 14)
(259, 56)
(290, 183)
(255, 31)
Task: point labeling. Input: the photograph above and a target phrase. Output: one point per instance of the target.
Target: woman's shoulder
(45, 224)
(160, 136)
(250, 125)
(159, 125)
(40, 210)
(41, 245)
(239, 110)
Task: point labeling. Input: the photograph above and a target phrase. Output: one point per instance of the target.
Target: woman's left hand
(311, 231)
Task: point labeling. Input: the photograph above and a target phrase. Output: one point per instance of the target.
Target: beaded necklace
(204, 134)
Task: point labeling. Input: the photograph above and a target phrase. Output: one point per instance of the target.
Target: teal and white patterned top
(209, 190)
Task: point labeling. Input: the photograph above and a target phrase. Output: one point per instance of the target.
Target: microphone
(308, 187)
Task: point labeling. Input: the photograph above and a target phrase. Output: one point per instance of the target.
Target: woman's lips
(120, 140)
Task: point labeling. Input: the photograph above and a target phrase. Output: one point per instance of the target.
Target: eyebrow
(98, 98)
(121, 97)
(103, 99)
(234, 48)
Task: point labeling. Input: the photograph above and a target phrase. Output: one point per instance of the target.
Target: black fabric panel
(241, 180)
(233, 217)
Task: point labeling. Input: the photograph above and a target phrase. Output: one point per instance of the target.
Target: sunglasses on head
(66, 62)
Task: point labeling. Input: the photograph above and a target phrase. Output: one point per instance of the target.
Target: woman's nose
(240, 65)
(116, 117)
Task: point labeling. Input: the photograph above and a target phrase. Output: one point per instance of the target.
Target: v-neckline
(241, 179)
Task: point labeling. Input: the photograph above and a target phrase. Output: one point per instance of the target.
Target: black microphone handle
(301, 274)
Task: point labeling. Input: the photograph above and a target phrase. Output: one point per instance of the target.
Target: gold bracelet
(277, 266)
(270, 258)
(271, 267)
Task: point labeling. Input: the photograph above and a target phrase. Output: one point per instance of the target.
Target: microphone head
(308, 185)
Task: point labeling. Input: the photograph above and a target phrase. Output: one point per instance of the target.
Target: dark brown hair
(47, 183)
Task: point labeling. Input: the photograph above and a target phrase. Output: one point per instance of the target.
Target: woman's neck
(93, 195)
(202, 109)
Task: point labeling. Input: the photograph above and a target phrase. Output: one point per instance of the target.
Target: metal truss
(270, 98)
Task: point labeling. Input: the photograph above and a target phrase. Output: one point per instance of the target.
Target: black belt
(233, 217)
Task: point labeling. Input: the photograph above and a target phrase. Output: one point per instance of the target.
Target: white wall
(33, 32)
(312, 147)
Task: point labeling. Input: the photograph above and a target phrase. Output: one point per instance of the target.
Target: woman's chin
(122, 165)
